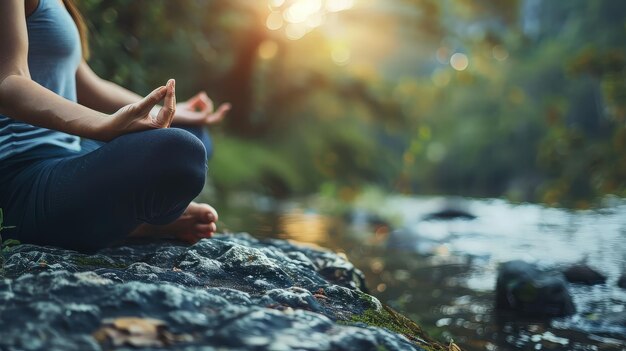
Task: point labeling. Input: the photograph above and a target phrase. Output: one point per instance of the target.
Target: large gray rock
(229, 292)
(528, 291)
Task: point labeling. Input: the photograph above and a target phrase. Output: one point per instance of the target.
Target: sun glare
(339, 5)
(299, 17)
(274, 21)
(459, 61)
(300, 11)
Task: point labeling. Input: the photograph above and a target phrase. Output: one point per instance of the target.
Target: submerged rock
(621, 282)
(447, 214)
(229, 292)
(583, 274)
(526, 290)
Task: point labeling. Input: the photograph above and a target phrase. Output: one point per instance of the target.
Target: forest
(522, 99)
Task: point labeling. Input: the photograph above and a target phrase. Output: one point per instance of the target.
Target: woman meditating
(85, 163)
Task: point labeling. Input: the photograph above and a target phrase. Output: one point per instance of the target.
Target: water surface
(441, 273)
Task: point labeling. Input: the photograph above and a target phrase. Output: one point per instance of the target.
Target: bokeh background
(522, 98)
(347, 112)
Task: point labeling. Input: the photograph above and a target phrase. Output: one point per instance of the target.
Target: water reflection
(442, 273)
(308, 227)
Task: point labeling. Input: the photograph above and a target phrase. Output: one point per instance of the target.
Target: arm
(99, 94)
(105, 96)
(23, 99)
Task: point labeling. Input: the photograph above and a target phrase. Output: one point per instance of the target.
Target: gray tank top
(54, 54)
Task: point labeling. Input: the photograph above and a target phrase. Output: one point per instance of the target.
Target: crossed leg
(198, 220)
(140, 183)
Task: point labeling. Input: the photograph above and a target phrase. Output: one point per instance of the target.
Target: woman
(85, 163)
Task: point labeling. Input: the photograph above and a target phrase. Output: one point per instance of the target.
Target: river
(442, 273)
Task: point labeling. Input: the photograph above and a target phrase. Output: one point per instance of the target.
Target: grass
(5, 246)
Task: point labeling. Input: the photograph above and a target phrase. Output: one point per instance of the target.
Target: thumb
(166, 114)
(146, 104)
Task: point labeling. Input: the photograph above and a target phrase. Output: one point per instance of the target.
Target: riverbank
(231, 292)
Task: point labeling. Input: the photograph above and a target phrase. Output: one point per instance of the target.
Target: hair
(71, 7)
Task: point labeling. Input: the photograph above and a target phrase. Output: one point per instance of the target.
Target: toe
(210, 214)
(203, 212)
(205, 228)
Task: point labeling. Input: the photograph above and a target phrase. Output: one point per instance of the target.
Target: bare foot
(197, 222)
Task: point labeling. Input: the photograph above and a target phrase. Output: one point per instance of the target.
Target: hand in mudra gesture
(199, 110)
(137, 117)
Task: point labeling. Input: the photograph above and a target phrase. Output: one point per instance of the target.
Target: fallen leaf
(137, 332)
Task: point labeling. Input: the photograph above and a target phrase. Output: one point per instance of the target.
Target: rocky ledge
(232, 292)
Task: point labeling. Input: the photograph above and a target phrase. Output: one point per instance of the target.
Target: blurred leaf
(137, 332)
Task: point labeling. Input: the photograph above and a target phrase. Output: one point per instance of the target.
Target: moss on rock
(389, 319)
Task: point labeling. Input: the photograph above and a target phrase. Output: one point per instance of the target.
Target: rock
(583, 274)
(621, 282)
(526, 290)
(447, 214)
(232, 292)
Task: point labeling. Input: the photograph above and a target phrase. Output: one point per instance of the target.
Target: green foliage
(538, 115)
(241, 164)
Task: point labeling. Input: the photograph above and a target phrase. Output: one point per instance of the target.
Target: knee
(178, 158)
(203, 135)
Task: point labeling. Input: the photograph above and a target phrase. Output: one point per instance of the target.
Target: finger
(225, 107)
(207, 100)
(219, 114)
(195, 104)
(148, 102)
(199, 102)
(173, 103)
(166, 114)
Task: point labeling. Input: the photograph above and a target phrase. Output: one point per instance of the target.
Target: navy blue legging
(96, 197)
